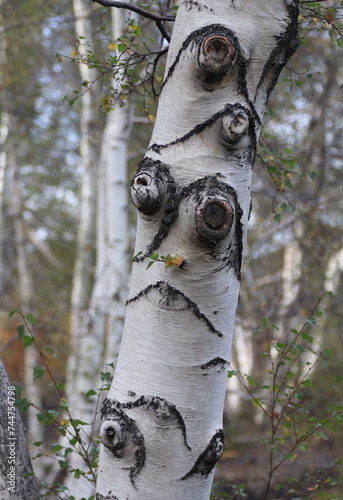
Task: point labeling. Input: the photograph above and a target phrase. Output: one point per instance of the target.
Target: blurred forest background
(76, 113)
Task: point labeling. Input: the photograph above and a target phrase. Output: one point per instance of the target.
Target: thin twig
(145, 13)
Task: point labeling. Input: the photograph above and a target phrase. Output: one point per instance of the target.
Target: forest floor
(313, 474)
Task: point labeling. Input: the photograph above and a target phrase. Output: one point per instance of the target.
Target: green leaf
(27, 341)
(154, 256)
(30, 318)
(89, 393)
(38, 372)
(277, 217)
(11, 313)
(21, 330)
(54, 447)
(307, 383)
(22, 404)
(251, 381)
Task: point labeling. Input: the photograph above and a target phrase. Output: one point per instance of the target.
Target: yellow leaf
(64, 422)
(173, 261)
(74, 53)
(132, 27)
(112, 46)
(151, 118)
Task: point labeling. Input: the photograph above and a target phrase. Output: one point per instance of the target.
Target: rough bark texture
(17, 481)
(162, 424)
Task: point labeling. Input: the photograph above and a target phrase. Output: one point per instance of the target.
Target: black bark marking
(162, 172)
(162, 409)
(229, 110)
(287, 44)
(113, 411)
(189, 4)
(208, 458)
(170, 296)
(151, 171)
(233, 254)
(99, 496)
(197, 36)
(214, 363)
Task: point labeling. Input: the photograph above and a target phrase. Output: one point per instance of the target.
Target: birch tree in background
(102, 323)
(83, 360)
(162, 422)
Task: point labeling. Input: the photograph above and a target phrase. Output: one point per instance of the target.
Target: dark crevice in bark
(163, 410)
(208, 458)
(215, 363)
(170, 296)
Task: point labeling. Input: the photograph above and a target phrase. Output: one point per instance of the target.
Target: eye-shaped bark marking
(149, 185)
(214, 217)
(217, 56)
(121, 437)
(233, 115)
(173, 299)
(164, 412)
(209, 457)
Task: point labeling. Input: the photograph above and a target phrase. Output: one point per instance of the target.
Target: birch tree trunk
(111, 277)
(84, 265)
(103, 317)
(162, 423)
(82, 359)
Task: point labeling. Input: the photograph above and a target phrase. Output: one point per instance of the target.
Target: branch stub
(217, 55)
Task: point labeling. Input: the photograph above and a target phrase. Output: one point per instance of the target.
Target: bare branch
(148, 15)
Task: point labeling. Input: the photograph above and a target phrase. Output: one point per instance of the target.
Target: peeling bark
(192, 191)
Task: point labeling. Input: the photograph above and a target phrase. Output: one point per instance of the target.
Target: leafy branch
(142, 12)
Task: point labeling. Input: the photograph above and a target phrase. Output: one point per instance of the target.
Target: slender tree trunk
(25, 291)
(83, 360)
(103, 315)
(111, 279)
(4, 130)
(16, 479)
(162, 423)
(84, 264)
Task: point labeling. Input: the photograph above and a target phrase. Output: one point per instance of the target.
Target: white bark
(162, 424)
(82, 359)
(111, 278)
(104, 317)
